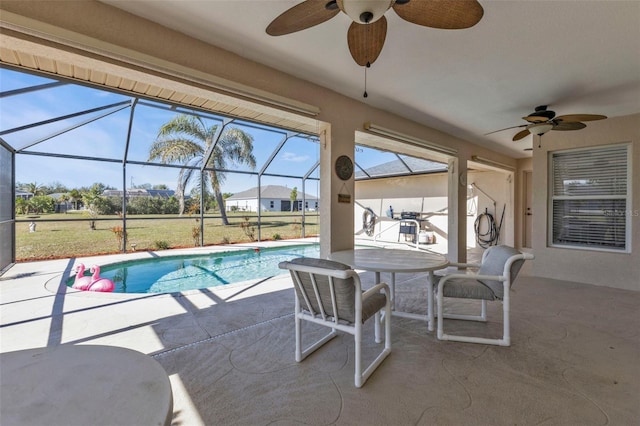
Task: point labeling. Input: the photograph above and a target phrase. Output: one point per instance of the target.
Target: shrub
(277, 237)
(161, 245)
(119, 233)
(248, 229)
(195, 234)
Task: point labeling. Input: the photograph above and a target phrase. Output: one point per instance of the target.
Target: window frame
(628, 212)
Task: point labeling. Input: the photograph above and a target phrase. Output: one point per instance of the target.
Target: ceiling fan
(543, 120)
(368, 31)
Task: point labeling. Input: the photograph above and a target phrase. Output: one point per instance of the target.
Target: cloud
(290, 156)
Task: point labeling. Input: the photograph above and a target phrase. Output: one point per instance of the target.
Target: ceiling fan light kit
(539, 128)
(364, 11)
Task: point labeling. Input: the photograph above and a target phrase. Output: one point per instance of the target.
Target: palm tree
(186, 139)
(63, 200)
(76, 196)
(34, 188)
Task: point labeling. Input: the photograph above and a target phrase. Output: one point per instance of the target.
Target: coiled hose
(492, 231)
(368, 221)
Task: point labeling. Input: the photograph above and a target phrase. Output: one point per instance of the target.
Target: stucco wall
(621, 270)
(428, 194)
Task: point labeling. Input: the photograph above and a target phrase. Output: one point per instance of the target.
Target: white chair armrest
(490, 277)
(375, 289)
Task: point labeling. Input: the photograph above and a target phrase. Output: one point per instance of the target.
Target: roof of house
(269, 191)
(57, 195)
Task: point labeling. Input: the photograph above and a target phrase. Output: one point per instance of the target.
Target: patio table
(396, 261)
(83, 385)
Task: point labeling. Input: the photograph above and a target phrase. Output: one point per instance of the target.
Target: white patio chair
(329, 293)
(496, 274)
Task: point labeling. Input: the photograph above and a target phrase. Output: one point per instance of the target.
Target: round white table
(83, 385)
(396, 261)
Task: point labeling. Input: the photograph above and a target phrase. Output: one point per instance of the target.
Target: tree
(54, 188)
(187, 139)
(42, 204)
(293, 196)
(63, 200)
(22, 206)
(33, 188)
(76, 196)
(95, 202)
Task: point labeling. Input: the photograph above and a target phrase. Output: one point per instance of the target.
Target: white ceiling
(575, 56)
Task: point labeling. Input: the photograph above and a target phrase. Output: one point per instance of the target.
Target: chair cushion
(465, 289)
(493, 264)
(345, 290)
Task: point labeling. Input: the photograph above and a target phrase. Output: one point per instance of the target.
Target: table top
(84, 385)
(391, 260)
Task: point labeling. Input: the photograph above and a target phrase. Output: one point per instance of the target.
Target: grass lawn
(56, 236)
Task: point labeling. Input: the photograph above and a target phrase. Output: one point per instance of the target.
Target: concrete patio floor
(574, 358)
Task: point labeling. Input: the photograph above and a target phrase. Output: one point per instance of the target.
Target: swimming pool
(190, 272)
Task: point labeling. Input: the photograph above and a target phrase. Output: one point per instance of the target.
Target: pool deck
(64, 315)
(228, 352)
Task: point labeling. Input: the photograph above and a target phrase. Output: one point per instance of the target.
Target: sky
(105, 137)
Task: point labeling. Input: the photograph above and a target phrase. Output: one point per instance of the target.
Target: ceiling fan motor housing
(542, 111)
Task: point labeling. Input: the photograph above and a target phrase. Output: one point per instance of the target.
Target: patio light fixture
(492, 163)
(381, 131)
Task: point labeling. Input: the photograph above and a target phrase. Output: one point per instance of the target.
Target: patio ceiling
(576, 56)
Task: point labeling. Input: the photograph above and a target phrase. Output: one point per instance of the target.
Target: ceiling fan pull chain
(365, 80)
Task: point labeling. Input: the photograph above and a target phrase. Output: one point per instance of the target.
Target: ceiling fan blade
(520, 135)
(569, 126)
(366, 41)
(572, 118)
(443, 14)
(302, 16)
(506, 128)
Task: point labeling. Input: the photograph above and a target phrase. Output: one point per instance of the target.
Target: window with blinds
(590, 198)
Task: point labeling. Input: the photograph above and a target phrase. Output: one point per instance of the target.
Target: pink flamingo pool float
(81, 282)
(92, 283)
(98, 283)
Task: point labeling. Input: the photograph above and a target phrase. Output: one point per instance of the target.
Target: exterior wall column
(336, 218)
(457, 207)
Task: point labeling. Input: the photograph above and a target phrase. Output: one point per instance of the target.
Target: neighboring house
(61, 206)
(131, 193)
(23, 194)
(273, 198)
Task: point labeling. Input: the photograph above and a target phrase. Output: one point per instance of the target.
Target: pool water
(190, 272)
